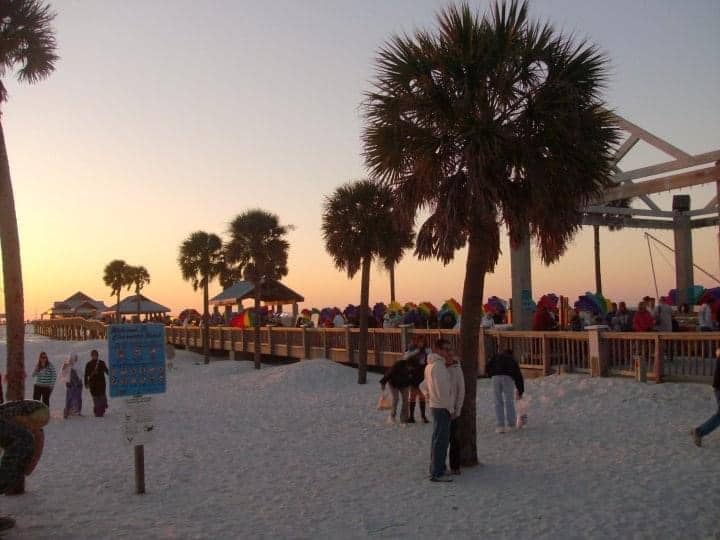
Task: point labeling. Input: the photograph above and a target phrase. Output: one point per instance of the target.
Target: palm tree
(258, 252)
(492, 119)
(116, 276)
(358, 224)
(138, 277)
(201, 260)
(27, 41)
(398, 241)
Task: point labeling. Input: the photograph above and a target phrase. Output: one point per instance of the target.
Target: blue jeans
(440, 441)
(714, 421)
(504, 387)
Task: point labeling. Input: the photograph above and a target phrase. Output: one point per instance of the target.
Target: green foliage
(27, 40)
(358, 221)
(138, 277)
(490, 120)
(257, 249)
(117, 276)
(201, 258)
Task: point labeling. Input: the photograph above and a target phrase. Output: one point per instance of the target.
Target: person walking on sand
(95, 372)
(439, 393)
(399, 378)
(506, 377)
(73, 385)
(457, 380)
(45, 376)
(714, 421)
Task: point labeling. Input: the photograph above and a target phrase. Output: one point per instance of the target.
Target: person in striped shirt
(45, 376)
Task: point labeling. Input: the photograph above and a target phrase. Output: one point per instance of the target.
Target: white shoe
(500, 430)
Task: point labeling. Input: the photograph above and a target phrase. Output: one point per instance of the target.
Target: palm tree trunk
(12, 281)
(475, 269)
(137, 297)
(117, 309)
(257, 355)
(363, 337)
(598, 274)
(206, 321)
(392, 283)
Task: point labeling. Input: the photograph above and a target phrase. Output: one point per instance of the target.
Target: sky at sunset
(167, 117)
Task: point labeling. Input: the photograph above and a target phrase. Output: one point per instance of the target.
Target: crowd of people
(648, 317)
(94, 380)
(434, 379)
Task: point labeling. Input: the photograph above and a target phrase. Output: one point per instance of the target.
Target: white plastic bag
(521, 412)
(384, 401)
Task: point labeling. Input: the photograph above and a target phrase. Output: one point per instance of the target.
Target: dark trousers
(42, 393)
(454, 452)
(440, 438)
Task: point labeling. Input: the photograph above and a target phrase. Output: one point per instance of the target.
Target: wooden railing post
(348, 345)
(659, 367)
(404, 336)
(379, 340)
(326, 345)
(596, 352)
(305, 343)
(546, 355)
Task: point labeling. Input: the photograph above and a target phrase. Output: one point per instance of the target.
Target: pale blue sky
(177, 115)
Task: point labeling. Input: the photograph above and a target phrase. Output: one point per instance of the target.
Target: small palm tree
(358, 225)
(117, 276)
(138, 277)
(258, 252)
(201, 260)
(28, 41)
(399, 240)
(492, 119)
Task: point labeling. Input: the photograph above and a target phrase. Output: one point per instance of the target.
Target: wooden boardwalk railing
(666, 355)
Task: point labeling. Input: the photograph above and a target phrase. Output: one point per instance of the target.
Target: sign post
(136, 353)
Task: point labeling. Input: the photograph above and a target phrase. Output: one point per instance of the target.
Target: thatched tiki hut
(147, 307)
(273, 293)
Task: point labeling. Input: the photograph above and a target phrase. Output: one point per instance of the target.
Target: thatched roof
(273, 292)
(129, 306)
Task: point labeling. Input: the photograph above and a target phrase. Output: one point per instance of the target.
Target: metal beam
(705, 222)
(668, 166)
(649, 138)
(664, 183)
(611, 210)
(632, 223)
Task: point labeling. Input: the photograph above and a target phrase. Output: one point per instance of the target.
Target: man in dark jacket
(505, 371)
(714, 421)
(95, 372)
(399, 378)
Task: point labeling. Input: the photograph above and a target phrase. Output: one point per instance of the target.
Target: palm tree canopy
(26, 40)
(257, 249)
(493, 119)
(401, 238)
(116, 275)
(358, 221)
(201, 258)
(137, 276)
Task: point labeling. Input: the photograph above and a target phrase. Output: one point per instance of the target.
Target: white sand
(299, 451)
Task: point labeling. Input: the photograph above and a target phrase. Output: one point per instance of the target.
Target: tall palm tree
(137, 277)
(492, 119)
(399, 240)
(27, 41)
(258, 252)
(201, 260)
(357, 225)
(117, 276)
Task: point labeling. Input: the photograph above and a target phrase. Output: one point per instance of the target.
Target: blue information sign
(136, 353)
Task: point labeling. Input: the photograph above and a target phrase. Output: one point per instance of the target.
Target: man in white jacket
(457, 381)
(440, 395)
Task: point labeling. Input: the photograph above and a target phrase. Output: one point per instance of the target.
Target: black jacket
(505, 364)
(95, 371)
(398, 375)
(716, 378)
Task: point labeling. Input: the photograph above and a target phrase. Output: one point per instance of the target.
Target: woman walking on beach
(45, 376)
(73, 384)
(95, 372)
(712, 423)
(416, 355)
